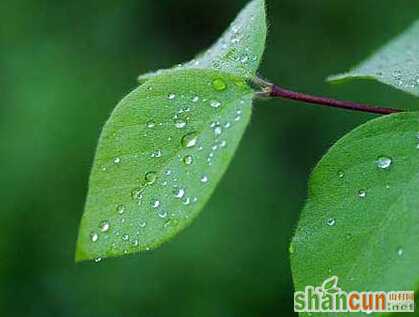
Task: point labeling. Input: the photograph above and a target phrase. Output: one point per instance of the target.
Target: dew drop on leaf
(98, 259)
(172, 96)
(155, 203)
(180, 123)
(362, 194)
(204, 179)
(331, 222)
(94, 236)
(189, 140)
(150, 124)
(215, 104)
(188, 159)
(384, 162)
(156, 154)
(104, 226)
(150, 177)
(341, 174)
(125, 237)
(120, 209)
(179, 193)
(400, 251)
(218, 130)
(219, 85)
(291, 249)
(117, 160)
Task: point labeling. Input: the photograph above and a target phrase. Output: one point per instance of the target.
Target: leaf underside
(361, 221)
(396, 64)
(238, 51)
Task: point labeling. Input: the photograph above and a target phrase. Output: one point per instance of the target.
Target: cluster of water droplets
(168, 194)
(382, 163)
(401, 70)
(233, 51)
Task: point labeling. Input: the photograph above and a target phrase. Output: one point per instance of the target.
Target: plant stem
(273, 90)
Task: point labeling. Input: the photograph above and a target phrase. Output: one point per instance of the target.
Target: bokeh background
(64, 65)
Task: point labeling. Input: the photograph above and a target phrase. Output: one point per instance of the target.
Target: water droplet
(150, 177)
(120, 209)
(172, 96)
(187, 201)
(179, 193)
(98, 259)
(155, 203)
(94, 236)
(215, 104)
(104, 226)
(400, 251)
(162, 214)
(150, 124)
(180, 123)
(218, 130)
(189, 140)
(188, 159)
(195, 99)
(156, 154)
(384, 162)
(204, 179)
(223, 144)
(341, 174)
(219, 84)
(117, 160)
(125, 237)
(331, 222)
(137, 194)
(362, 194)
(291, 249)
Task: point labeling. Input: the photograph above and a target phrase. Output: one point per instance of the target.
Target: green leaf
(159, 158)
(239, 50)
(330, 284)
(361, 221)
(396, 64)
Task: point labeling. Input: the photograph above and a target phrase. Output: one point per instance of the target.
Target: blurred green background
(64, 65)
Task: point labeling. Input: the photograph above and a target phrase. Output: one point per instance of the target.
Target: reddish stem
(276, 91)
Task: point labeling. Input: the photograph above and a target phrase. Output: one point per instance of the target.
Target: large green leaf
(159, 158)
(361, 221)
(396, 64)
(240, 48)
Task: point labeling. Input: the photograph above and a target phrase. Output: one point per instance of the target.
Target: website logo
(331, 298)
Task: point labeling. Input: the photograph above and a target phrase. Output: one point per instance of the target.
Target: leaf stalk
(272, 90)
